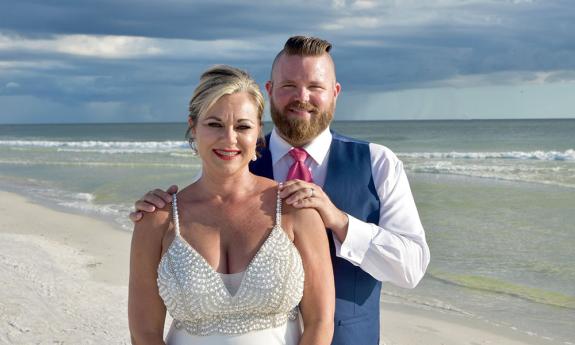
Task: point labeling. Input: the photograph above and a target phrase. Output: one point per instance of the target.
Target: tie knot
(298, 154)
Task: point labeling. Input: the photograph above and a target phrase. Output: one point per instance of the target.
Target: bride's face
(226, 135)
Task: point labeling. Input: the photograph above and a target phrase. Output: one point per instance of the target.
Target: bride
(227, 259)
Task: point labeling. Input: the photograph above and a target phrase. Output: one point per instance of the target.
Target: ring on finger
(312, 192)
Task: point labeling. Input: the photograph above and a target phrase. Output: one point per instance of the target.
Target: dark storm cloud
(378, 46)
(200, 20)
(502, 37)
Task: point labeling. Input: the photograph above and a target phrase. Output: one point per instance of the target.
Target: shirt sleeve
(395, 250)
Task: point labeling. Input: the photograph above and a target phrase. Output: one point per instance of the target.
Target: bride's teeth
(223, 153)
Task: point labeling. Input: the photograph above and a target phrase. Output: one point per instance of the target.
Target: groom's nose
(302, 94)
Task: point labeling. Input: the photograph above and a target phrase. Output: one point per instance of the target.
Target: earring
(255, 158)
(193, 146)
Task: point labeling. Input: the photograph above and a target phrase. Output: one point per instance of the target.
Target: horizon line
(269, 121)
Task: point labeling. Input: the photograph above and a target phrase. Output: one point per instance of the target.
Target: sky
(76, 61)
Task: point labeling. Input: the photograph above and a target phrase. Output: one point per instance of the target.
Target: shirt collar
(317, 148)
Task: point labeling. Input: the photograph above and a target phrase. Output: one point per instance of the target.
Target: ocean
(496, 197)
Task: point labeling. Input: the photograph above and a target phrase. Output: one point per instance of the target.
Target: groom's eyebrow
(286, 81)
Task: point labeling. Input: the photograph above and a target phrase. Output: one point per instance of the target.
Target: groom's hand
(301, 194)
(153, 200)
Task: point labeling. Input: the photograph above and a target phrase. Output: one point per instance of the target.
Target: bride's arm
(146, 310)
(318, 302)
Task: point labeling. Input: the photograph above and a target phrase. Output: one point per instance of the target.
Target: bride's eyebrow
(212, 117)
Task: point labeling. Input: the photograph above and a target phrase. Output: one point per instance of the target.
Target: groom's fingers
(157, 198)
(135, 216)
(154, 199)
(296, 191)
(172, 190)
(143, 205)
(300, 194)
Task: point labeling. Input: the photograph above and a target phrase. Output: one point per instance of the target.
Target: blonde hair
(219, 81)
(216, 82)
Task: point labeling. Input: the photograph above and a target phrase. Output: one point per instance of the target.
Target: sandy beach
(64, 281)
(64, 277)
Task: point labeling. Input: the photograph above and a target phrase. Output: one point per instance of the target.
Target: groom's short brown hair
(303, 46)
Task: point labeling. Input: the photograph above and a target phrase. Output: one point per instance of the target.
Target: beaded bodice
(197, 299)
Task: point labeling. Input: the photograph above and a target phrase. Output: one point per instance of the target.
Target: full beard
(299, 131)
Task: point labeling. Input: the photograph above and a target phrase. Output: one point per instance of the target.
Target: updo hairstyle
(216, 82)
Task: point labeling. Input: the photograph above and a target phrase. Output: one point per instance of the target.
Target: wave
(503, 287)
(113, 147)
(100, 146)
(79, 202)
(102, 164)
(568, 155)
(550, 175)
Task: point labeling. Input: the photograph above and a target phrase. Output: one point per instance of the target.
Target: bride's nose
(230, 135)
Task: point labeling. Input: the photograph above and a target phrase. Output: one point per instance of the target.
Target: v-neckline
(216, 273)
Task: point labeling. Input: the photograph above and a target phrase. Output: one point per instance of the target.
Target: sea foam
(568, 155)
(100, 146)
(551, 175)
(112, 147)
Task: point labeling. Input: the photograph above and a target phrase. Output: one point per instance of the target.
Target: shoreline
(67, 283)
(103, 243)
(64, 277)
(404, 324)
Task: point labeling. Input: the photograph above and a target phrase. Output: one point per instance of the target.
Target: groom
(360, 189)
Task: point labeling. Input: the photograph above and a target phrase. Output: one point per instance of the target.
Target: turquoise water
(496, 199)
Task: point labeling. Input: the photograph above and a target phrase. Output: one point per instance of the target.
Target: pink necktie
(299, 170)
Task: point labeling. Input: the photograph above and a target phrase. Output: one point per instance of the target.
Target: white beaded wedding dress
(256, 307)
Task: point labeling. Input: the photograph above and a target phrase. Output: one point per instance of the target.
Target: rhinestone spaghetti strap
(175, 217)
(197, 299)
(278, 207)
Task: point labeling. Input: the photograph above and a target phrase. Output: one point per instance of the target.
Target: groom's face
(303, 92)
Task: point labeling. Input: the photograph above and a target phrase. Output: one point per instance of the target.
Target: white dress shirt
(395, 250)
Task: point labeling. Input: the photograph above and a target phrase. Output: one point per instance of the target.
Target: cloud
(559, 76)
(119, 56)
(199, 19)
(84, 45)
(127, 47)
(547, 100)
(12, 85)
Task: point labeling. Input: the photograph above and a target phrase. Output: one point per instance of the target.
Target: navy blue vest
(350, 186)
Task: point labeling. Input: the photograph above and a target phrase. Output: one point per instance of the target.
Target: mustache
(303, 106)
